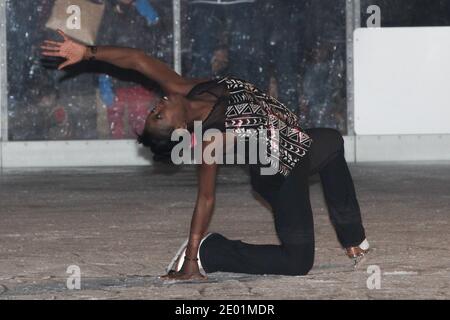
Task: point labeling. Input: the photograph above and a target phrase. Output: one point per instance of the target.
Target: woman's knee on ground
(300, 259)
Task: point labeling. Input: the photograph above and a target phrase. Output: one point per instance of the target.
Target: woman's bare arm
(138, 60)
(204, 207)
(127, 58)
(199, 224)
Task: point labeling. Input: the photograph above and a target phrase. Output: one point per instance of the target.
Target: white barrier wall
(402, 81)
(92, 153)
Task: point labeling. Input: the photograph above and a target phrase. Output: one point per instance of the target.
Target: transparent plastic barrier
(89, 100)
(294, 49)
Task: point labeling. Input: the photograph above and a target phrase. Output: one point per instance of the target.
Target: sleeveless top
(242, 106)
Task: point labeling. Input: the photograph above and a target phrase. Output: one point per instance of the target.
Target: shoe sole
(173, 263)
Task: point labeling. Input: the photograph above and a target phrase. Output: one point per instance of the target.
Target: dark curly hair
(159, 143)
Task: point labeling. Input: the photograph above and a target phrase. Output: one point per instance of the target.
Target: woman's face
(169, 112)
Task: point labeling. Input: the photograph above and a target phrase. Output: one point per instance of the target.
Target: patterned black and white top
(242, 107)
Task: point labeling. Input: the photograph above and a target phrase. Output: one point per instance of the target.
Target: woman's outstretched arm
(127, 58)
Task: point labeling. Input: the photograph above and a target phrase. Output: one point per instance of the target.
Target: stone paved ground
(121, 226)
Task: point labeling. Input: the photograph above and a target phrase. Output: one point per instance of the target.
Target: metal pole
(3, 75)
(353, 21)
(3, 81)
(177, 36)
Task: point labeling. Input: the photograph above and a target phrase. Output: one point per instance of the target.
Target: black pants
(293, 216)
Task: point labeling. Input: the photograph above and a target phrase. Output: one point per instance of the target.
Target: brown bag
(90, 14)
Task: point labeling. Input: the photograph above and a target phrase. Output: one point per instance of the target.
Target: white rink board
(402, 81)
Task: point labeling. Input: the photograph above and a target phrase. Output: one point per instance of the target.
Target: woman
(236, 105)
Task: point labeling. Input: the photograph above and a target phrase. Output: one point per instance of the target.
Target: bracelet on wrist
(190, 259)
(92, 52)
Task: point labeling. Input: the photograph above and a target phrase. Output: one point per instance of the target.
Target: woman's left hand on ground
(189, 271)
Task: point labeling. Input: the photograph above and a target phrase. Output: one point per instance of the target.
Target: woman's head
(168, 115)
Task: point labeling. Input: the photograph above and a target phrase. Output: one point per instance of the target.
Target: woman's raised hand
(72, 51)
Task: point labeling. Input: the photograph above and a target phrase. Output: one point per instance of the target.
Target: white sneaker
(178, 260)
